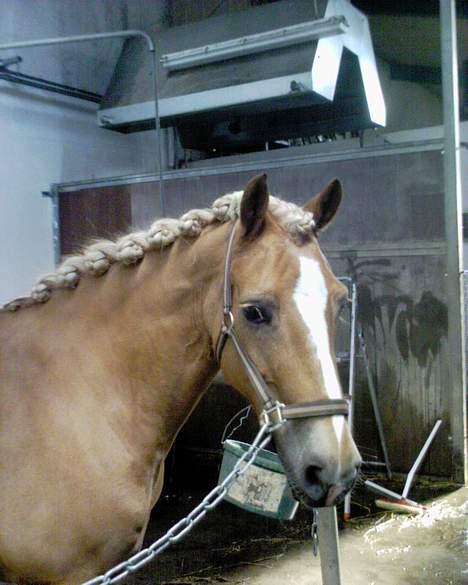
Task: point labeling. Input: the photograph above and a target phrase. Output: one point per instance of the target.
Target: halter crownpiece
(274, 412)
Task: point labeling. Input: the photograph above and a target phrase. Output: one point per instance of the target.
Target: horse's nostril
(312, 474)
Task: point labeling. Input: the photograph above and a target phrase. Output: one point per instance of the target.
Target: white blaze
(311, 296)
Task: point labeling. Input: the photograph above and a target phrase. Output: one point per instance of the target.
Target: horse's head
(285, 299)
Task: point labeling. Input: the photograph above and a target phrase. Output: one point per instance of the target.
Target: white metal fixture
(257, 43)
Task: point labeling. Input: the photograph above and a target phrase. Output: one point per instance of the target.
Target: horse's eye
(256, 314)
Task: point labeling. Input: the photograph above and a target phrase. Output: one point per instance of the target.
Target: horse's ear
(325, 204)
(254, 206)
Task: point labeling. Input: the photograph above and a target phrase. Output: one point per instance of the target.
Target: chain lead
(181, 528)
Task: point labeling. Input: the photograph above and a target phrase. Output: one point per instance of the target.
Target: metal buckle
(228, 321)
(273, 416)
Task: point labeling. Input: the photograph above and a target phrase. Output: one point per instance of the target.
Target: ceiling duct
(293, 68)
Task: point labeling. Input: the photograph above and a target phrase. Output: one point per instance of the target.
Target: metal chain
(183, 527)
(314, 534)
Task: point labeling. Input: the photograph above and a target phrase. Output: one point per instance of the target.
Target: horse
(102, 365)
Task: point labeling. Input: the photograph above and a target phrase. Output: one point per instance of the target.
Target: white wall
(409, 105)
(46, 138)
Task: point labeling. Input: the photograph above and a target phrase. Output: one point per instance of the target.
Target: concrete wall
(46, 138)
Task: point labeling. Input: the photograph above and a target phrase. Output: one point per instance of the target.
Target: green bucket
(263, 488)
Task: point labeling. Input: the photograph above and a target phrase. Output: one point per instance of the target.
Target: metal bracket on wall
(43, 84)
(53, 196)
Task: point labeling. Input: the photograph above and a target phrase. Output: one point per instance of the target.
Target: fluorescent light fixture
(257, 43)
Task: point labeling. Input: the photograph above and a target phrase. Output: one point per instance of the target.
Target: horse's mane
(97, 258)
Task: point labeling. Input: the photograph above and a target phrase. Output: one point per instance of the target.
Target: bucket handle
(243, 415)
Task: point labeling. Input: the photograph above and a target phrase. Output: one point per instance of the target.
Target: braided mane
(97, 258)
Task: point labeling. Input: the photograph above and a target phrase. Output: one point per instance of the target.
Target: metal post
(352, 354)
(327, 528)
(453, 232)
(105, 36)
(352, 363)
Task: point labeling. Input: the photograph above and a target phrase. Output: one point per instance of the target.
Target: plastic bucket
(263, 488)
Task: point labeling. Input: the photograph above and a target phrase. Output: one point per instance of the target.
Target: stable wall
(437, 133)
(389, 236)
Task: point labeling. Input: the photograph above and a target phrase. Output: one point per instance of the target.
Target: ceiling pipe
(106, 36)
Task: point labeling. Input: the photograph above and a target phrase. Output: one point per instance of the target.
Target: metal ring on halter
(273, 417)
(228, 321)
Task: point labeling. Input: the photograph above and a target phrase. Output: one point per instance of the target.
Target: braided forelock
(97, 258)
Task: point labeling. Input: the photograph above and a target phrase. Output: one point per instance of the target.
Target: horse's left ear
(325, 204)
(254, 206)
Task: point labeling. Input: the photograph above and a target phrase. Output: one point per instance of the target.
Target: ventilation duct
(290, 69)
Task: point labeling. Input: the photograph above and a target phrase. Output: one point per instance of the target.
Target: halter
(274, 413)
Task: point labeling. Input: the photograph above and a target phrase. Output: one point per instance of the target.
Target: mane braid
(97, 258)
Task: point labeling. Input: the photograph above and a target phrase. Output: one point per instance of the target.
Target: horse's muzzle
(316, 492)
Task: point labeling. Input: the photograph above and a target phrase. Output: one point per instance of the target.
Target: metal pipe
(157, 127)
(46, 85)
(352, 354)
(453, 232)
(352, 362)
(79, 39)
(131, 33)
(419, 459)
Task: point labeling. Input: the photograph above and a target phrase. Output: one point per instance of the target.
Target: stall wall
(389, 237)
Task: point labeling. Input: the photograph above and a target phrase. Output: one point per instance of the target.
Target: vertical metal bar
(453, 233)
(375, 404)
(352, 353)
(327, 528)
(157, 125)
(53, 196)
(352, 360)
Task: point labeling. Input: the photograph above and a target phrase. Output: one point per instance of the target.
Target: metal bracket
(273, 417)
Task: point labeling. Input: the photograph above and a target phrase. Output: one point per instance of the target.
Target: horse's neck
(162, 358)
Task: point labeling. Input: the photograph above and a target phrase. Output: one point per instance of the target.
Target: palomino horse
(96, 382)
